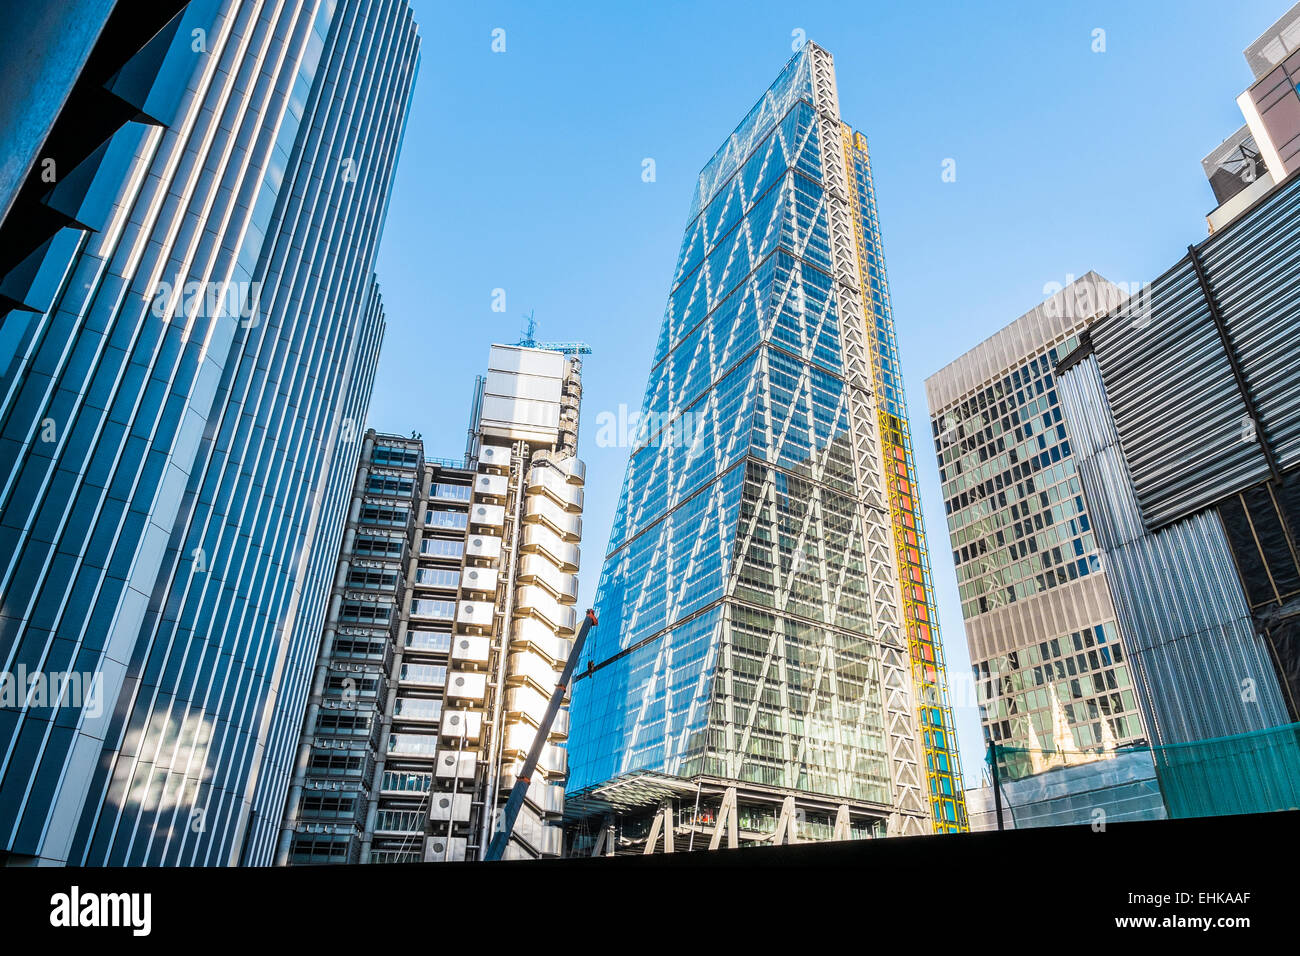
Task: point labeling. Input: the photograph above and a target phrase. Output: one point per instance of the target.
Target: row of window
(389, 516)
(322, 848)
(393, 456)
(424, 745)
(437, 578)
(446, 518)
(429, 675)
(363, 647)
(406, 781)
(366, 546)
(343, 722)
(450, 492)
(433, 609)
(437, 642)
(377, 484)
(442, 548)
(357, 612)
(330, 806)
(372, 579)
(417, 708)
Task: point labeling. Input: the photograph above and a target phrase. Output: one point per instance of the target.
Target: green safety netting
(1246, 773)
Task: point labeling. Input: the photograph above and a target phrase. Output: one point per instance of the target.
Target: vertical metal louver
(1186, 625)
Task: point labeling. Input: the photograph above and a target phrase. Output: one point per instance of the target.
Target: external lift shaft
(497, 848)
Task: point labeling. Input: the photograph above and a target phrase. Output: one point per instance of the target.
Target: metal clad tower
(452, 616)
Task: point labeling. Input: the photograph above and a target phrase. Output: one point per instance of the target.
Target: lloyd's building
(767, 667)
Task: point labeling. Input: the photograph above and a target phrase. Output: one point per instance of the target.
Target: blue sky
(522, 170)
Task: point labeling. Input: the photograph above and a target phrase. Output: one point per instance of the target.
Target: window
(390, 485)
(437, 578)
(417, 708)
(407, 781)
(385, 516)
(433, 609)
(347, 683)
(446, 518)
(377, 547)
(308, 849)
(422, 744)
(429, 675)
(329, 807)
(335, 765)
(342, 722)
(394, 456)
(405, 821)
(442, 548)
(451, 492)
(372, 579)
(438, 642)
(358, 647)
(358, 613)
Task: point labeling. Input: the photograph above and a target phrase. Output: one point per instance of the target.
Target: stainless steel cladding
(1201, 375)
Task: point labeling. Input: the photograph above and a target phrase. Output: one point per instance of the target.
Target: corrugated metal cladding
(1182, 421)
(1189, 633)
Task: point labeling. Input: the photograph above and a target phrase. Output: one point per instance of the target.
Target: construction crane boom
(497, 848)
(529, 340)
(568, 348)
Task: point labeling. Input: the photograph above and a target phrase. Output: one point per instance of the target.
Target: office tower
(1189, 471)
(1189, 413)
(452, 616)
(759, 664)
(1051, 662)
(75, 73)
(1160, 396)
(1267, 149)
(1272, 105)
(181, 412)
(342, 738)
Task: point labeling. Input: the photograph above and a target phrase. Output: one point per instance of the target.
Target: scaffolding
(929, 677)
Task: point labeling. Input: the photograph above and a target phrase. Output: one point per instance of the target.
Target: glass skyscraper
(767, 620)
(180, 417)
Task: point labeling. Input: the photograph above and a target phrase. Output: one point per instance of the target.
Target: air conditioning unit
(476, 613)
(450, 849)
(461, 725)
(493, 515)
(450, 807)
(455, 765)
(494, 456)
(466, 649)
(491, 486)
(483, 580)
(483, 546)
(466, 685)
